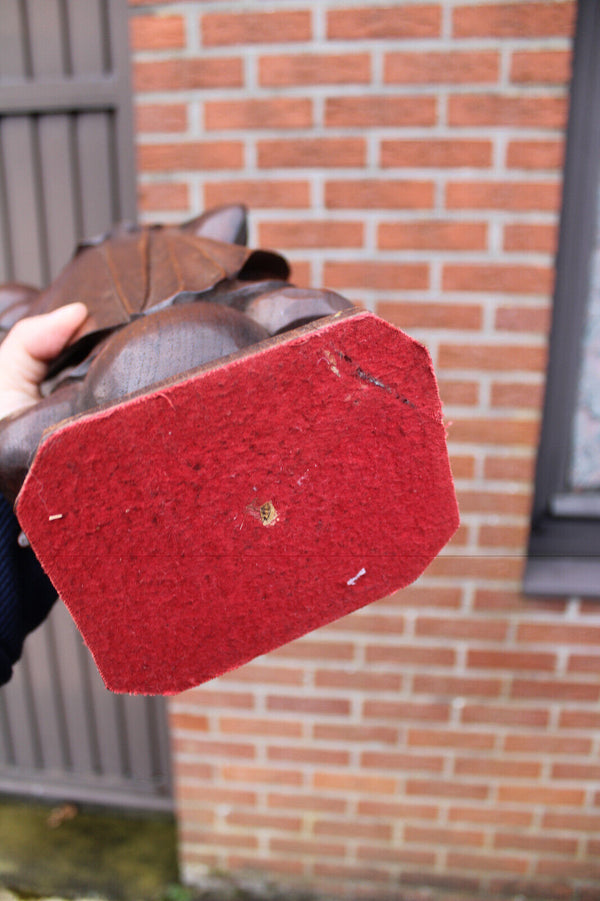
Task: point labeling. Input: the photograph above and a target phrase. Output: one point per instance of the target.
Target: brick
(252, 115)
(444, 738)
(187, 74)
(163, 196)
(503, 195)
(589, 607)
(530, 238)
(540, 67)
(584, 663)
(452, 67)
(579, 719)
(387, 760)
(437, 153)
(197, 722)
(558, 633)
(410, 655)
(376, 275)
(354, 782)
(262, 775)
(580, 772)
(502, 278)
(461, 393)
(307, 705)
(573, 822)
(432, 234)
(349, 829)
(496, 502)
(311, 153)
(311, 649)
(156, 32)
(535, 743)
(513, 19)
(496, 568)
(186, 771)
(384, 194)
(495, 110)
(493, 862)
(286, 866)
(517, 394)
(353, 680)
(364, 734)
(425, 596)
(461, 628)
(304, 801)
(505, 715)
(406, 710)
(511, 601)
(316, 756)
(462, 465)
(371, 623)
(453, 686)
(259, 194)
(555, 690)
(514, 468)
(260, 727)
(513, 537)
(161, 117)
(221, 839)
(240, 28)
(492, 816)
(572, 869)
(397, 810)
(202, 747)
(311, 234)
(214, 697)
(414, 856)
(374, 22)
(253, 821)
(497, 769)
(549, 796)
(535, 154)
(380, 111)
(195, 156)
(516, 318)
(447, 789)
(349, 872)
(492, 357)
(303, 69)
(512, 661)
(426, 835)
(265, 675)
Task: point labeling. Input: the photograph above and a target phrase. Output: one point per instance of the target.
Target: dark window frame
(564, 545)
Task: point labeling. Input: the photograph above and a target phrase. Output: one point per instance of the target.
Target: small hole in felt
(268, 514)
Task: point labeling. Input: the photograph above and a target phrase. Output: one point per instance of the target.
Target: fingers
(27, 350)
(43, 337)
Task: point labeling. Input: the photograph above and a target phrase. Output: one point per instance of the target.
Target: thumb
(28, 348)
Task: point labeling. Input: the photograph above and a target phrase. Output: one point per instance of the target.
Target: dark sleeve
(26, 593)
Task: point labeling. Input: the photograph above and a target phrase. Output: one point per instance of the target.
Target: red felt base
(191, 529)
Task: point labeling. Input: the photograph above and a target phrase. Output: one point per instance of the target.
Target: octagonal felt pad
(211, 520)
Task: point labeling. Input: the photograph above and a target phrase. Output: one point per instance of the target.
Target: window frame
(564, 542)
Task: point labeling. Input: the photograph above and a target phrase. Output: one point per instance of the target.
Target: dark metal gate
(67, 172)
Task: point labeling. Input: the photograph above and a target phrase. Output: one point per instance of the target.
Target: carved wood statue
(221, 461)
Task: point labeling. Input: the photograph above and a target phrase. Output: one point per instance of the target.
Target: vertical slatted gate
(67, 172)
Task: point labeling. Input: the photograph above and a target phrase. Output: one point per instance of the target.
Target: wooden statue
(221, 461)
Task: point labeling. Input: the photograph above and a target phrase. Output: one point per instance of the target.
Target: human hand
(27, 351)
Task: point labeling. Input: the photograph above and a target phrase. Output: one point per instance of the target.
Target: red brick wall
(409, 156)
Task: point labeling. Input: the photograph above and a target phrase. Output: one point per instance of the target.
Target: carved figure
(221, 462)
(161, 300)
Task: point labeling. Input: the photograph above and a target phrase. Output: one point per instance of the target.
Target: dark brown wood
(162, 300)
